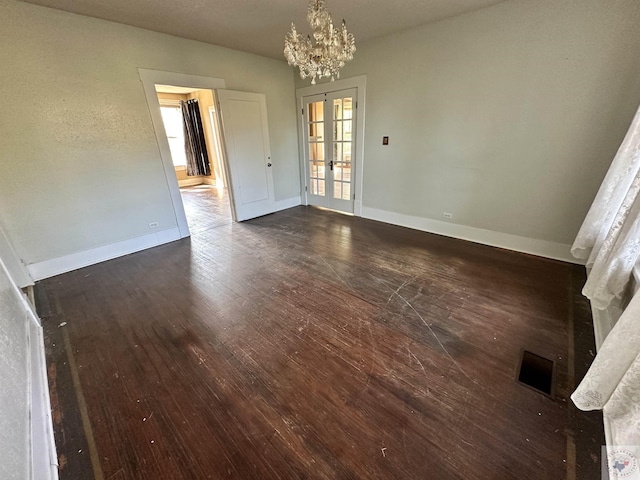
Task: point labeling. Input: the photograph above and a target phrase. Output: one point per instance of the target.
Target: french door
(329, 139)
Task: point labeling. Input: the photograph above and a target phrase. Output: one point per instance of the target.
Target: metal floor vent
(536, 372)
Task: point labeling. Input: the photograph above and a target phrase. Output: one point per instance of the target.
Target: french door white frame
(360, 83)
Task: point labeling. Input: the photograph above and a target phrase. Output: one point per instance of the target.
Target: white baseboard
(44, 460)
(288, 203)
(74, 261)
(191, 182)
(542, 248)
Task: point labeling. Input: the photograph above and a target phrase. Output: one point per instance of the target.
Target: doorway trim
(14, 264)
(359, 82)
(221, 181)
(151, 78)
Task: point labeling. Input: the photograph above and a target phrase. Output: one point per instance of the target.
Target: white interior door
(329, 139)
(246, 139)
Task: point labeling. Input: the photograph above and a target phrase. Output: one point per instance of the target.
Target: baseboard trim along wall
(288, 203)
(541, 248)
(191, 182)
(44, 461)
(74, 261)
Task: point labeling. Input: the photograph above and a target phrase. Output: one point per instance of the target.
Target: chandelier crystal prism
(333, 47)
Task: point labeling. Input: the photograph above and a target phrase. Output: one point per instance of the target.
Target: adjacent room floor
(206, 207)
(310, 344)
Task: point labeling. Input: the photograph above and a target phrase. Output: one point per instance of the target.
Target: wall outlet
(153, 224)
(447, 215)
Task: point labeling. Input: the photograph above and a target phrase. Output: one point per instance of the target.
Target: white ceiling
(258, 26)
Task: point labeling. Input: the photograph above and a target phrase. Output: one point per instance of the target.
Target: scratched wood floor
(310, 344)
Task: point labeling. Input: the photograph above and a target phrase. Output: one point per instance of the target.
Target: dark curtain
(194, 144)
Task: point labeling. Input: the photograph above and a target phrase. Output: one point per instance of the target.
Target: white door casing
(245, 135)
(221, 176)
(149, 79)
(16, 268)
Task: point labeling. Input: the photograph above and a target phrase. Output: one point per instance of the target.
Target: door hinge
(356, 104)
(302, 112)
(305, 188)
(354, 196)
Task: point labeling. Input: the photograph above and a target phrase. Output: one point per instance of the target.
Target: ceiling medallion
(332, 49)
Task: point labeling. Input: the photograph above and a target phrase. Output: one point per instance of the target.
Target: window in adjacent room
(173, 126)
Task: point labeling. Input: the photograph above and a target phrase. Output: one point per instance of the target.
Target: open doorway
(191, 126)
(244, 149)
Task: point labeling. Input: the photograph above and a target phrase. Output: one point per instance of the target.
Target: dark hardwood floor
(206, 207)
(310, 344)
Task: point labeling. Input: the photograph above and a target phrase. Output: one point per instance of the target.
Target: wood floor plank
(310, 344)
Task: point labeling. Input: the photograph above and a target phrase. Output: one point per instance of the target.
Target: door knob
(331, 165)
(269, 164)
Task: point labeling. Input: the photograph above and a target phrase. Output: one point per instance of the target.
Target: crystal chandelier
(333, 47)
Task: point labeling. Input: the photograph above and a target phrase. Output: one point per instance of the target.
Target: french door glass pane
(316, 151)
(317, 187)
(337, 172)
(316, 112)
(346, 191)
(337, 109)
(316, 131)
(337, 189)
(316, 170)
(337, 130)
(347, 111)
(346, 152)
(346, 173)
(315, 120)
(346, 129)
(342, 138)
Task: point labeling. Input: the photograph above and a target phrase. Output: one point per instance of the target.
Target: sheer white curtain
(610, 241)
(612, 383)
(610, 236)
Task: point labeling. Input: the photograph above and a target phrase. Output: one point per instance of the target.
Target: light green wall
(507, 117)
(79, 158)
